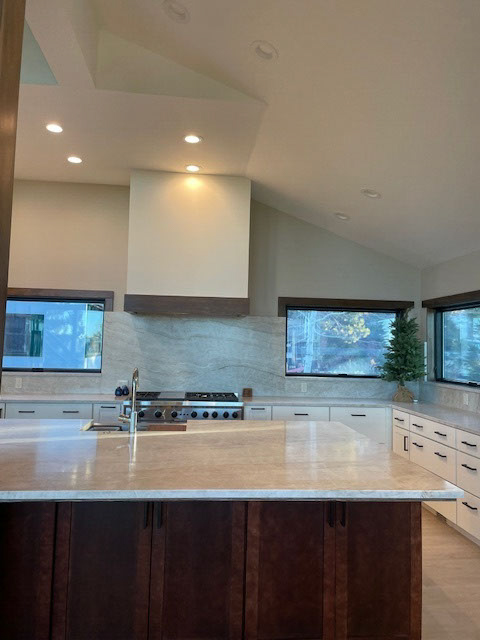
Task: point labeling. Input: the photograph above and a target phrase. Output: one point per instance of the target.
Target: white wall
(454, 276)
(289, 257)
(69, 236)
(188, 235)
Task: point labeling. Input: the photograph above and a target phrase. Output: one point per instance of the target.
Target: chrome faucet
(132, 419)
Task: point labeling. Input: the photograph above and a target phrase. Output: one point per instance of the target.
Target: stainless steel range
(174, 406)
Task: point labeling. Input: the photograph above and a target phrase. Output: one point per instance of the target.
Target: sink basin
(96, 426)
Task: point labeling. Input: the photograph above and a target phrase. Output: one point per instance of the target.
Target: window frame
(58, 298)
(365, 309)
(438, 355)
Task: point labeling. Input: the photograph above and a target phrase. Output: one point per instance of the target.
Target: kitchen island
(267, 530)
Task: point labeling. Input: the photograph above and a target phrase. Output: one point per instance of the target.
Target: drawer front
(433, 456)
(400, 442)
(468, 443)
(2, 410)
(300, 413)
(106, 413)
(433, 430)
(401, 419)
(369, 421)
(468, 473)
(468, 514)
(447, 508)
(258, 412)
(47, 411)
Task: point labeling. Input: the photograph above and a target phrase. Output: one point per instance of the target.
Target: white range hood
(188, 244)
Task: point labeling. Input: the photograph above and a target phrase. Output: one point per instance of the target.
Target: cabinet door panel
(289, 581)
(400, 442)
(27, 536)
(198, 571)
(102, 571)
(378, 571)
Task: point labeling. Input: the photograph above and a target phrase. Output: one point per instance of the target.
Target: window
(336, 342)
(53, 335)
(457, 337)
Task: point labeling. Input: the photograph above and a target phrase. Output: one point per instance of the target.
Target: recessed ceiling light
(74, 159)
(193, 168)
(53, 127)
(341, 216)
(192, 138)
(264, 50)
(176, 11)
(371, 193)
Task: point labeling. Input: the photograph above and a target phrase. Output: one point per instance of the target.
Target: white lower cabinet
(468, 443)
(370, 421)
(468, 473)
(401, 442)
(300, 413)
(106, 413)
(2, 410)
(46, 410)
(468, 514)
(257, 412)
(446, 508)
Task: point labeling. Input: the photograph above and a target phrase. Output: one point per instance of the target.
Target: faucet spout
(134, 412)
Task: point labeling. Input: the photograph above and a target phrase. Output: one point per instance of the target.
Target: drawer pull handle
(300, 414)
(257, 408)
(439, 433)
(469, 468)
(470, 506)
(399, 419)
(66, 411)
(405, 443)
(420, 446)
(25, 411)
(440, 455)
(469, 444)
(106, 406)
(419, 426)
(358, 415)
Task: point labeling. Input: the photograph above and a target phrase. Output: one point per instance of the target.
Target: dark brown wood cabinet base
(211, 570)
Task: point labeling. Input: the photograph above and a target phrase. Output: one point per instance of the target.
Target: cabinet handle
(301, 414)
(439, 433)
(25, 411)
(470, 506)
(343, 517)
(469, 444)
(405, 443)
(400, 419)
(469, 468)
(257, 408)
(65, 411)
(159, 515)
(440, 455)
(146, 514)
(420, 446)
(331, 514)
(419, 426)
(104, 406)
(358, 415)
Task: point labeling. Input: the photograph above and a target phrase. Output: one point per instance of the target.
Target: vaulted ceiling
(377, 94)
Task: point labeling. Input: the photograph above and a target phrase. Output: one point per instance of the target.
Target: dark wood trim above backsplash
(63, 294)
(336, 303)
(186, 305)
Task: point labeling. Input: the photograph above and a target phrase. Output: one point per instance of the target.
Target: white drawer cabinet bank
(103, 412)
(451, 453)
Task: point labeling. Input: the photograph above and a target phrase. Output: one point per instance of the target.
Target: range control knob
(194, 414)
(141, 414)
(215, 414)
(225, 414)
(205, 414)
(174, 414)
(158, 414)
(234, 415)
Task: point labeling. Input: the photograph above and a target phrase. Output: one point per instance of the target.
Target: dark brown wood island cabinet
(210, 570)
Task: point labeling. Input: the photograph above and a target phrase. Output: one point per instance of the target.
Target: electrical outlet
(18, 383)
(303, 387)
(465, 398)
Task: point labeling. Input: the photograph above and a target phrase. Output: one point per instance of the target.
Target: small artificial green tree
(404, 359)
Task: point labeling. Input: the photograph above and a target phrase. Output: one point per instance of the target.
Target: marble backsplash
(185, 353)
(450, 396)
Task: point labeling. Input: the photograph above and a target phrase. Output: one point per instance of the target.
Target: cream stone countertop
(276, 460)
(456, 418)
(62, 397)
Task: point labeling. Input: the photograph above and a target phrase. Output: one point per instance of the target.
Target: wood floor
(451, 583)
